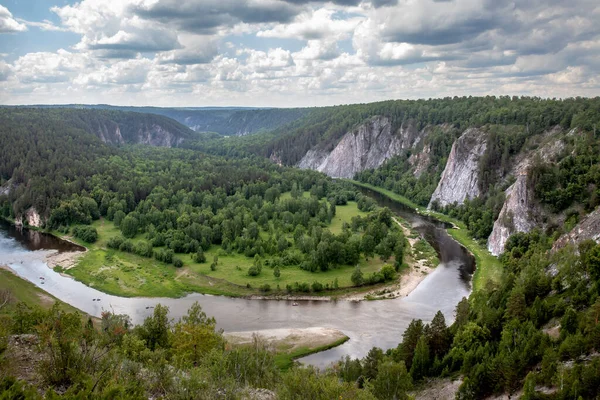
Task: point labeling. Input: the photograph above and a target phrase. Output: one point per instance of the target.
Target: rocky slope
(30, 218)
(114, 127)
(460, 177)
(515, 215)
(588, 228)
(367, 146)
(519, 212)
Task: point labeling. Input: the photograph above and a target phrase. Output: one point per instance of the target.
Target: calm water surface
(368, 323)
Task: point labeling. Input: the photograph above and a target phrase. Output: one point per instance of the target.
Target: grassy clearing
(285, 361)
(124, 274)
(489, 268)
(345, 214)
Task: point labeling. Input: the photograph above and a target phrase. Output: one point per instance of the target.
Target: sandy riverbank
(67, 259)
(289, 340)
(409, 279)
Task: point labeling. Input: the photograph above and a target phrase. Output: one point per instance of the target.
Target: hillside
(227, 121)
(112, 127)
(522, 176)
(49, 153)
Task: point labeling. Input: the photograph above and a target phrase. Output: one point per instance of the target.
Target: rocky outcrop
(156, 135)
(588, 228)
(151, 134)
(110, 133)
(368, 146)
(519, 210)
(30, 218)
(420, 161)
(460, 178)
(6, 188)
(515, 215)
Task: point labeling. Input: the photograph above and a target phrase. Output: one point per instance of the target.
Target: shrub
(126, 245)
(143, 249)
(177, 262)
(115, 242)
(199, 257)
(265, 288)
(88, 234)
(317, 287)
(164, 255)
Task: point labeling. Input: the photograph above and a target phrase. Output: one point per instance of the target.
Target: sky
(289, 53)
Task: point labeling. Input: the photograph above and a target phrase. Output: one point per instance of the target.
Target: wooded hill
(227, 121)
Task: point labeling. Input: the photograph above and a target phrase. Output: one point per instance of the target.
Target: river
(368, 323)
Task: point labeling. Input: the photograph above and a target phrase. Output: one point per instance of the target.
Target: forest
(181, 206)
(503, 340)
(535, 332)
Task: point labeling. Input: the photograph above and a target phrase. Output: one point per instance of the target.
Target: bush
(164, 255)
(143, 249)
(253, 271)
(177, 262)
(126, 245)
(388, 272)
(317, 287)
(199, 257)
(265, 288)
(88, 234)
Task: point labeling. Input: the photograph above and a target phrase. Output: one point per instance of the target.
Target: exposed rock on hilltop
(460, 179)
(588, 228)
(514, 216)
(519, 211)
(366, 147)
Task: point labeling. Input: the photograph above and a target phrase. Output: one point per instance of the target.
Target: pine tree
(420, 363)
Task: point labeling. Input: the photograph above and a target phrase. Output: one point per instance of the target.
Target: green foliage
(421, 360)
(357, 277)
(155, 329)
(392, 382)
(308, 383)
(574, 178)
(86, 233)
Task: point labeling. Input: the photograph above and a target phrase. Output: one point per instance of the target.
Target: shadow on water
(33, 240)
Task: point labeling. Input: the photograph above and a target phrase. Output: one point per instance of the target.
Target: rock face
(514, 216)
(156, 135)
(460, 179)
(588, 228)
(420, 161)
(149, 134)
(6, 188)
(368, 146)
(31, 218)
(519, 209)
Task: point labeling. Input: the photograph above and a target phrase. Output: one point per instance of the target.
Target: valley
(413, 206)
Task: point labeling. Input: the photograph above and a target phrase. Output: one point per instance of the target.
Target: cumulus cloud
(309, 52)
(8, 24)
(313, 25)
(5, 71)
(198, 53)
(206, 16)
(49, 67)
